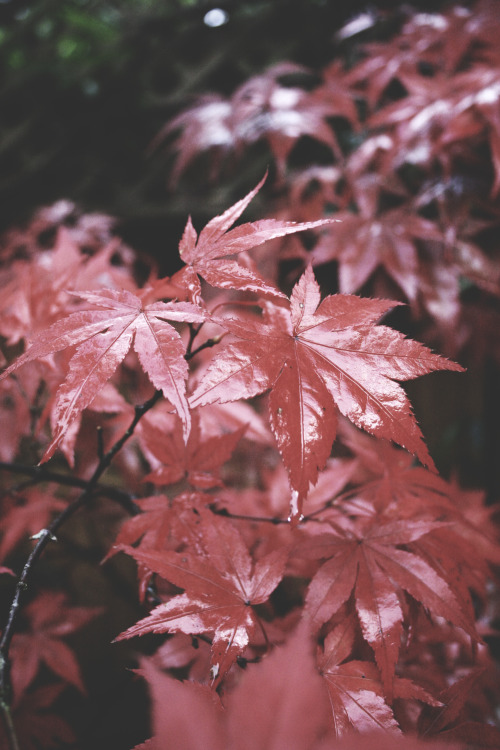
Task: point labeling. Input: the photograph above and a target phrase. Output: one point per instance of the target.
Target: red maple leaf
(479, 526)
(27, 517)
(50, 619)
(37, 722)
(317, 357)
(389, 485)
(108, 401)
(204, 127)
(279, 703)
(34, 291)
(263, 108)
(103, 336)
(163, 524)
(354, 687)
(450, 721)
(441, 111)
(15, 414)
(370, 175)
(388, 481)
(442, 40)
(34, 295)
(199, 460)
(367, 559)
(222, 585)
(208, 254)
(363, 244)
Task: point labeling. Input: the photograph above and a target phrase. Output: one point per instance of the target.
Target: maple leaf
(265, 109)
(221, 588)
(224, 418)
(269, 502)
(337, 94)
(456, 560)
(164, 523)
(439, 112)
(204, 127)
(388, 485)
(370, 174)
(207, 255)
(368, 560)
(35, 292)
(14, 417)
(28, 518)
(442, 40)
(448, 721)
(103, 336)
(356, 699)
(107, 401)
(261, 109)
(50, 618)
(199, 460)
(363, 244)
(478, 515)
(318, 357)
(356, 695)
(387, 479)
(36, 724)
(279, 703)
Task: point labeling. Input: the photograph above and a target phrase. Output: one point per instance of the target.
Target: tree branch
(91, 488)
(42, 474)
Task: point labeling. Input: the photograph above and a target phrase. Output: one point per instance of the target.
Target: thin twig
(240, 517)
(206, 345)
(47, 535)
(41, 474)
(9, 725)
(100, 443)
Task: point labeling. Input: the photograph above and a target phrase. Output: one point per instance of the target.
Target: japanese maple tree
(234, 444)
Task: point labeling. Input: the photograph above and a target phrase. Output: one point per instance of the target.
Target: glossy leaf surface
(209, 253)
(102, 337)
(221, 588)
(317, 358)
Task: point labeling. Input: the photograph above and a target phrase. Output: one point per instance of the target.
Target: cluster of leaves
(308, 574)
(356, 584)
(402, 145)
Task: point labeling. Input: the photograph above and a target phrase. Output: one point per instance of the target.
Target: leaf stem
(210, 342)
(239, 517)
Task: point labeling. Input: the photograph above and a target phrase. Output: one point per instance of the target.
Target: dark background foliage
(87, 84)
